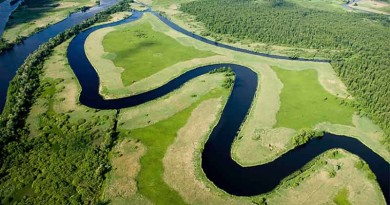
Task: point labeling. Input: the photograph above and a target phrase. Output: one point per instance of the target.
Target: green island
(54, 150)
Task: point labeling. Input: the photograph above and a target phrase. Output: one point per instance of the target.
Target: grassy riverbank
(35, 15)
(156, 138)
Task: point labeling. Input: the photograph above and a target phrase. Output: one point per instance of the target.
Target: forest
(360, 42)
(64, 165)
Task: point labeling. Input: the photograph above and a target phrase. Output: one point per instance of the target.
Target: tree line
(361, 42)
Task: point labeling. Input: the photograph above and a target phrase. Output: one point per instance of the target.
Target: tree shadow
(140, 45)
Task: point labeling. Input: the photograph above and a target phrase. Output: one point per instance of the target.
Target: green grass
(142, 51)
(157, 138)
(342, 197)
(304, 102)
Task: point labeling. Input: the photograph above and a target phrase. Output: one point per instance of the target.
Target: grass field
(149, 113)
(304, 103)
(183, 156)
(141, 51)
(121, 185)
(157, 138)
(38, 14)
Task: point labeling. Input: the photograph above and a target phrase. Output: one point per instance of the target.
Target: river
(217, 163)
(216, 160)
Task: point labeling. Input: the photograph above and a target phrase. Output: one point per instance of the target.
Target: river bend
(217, 163)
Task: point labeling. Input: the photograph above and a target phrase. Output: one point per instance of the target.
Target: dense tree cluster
(304, 135)
(362, 165)
(62, 165)
(4, 45)
(229, 74)
(361, 41)
(65, 164)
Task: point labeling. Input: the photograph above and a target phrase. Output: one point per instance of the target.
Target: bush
(304, 135)
(332, 173)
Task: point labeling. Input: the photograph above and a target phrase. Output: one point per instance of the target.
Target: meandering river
(217, 163)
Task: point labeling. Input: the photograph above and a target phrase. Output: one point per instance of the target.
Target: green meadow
(157, 138)
(142, 51)
(305, 103)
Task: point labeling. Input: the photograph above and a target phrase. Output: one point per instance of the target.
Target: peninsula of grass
(157, 138)
(142, 51)
(305, 103)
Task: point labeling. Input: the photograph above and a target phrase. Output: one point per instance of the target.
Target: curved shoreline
(217, 163)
